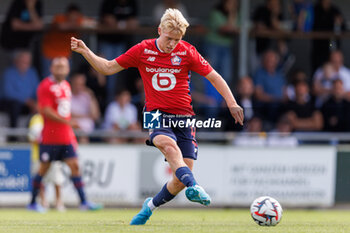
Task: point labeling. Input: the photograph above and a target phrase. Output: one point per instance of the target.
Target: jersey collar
(155, 42)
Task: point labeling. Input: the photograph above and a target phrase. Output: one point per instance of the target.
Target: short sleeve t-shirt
(166, 76)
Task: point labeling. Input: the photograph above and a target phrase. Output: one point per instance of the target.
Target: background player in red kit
(58, 141)
(165, 64)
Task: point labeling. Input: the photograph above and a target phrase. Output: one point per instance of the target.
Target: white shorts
(54, 174)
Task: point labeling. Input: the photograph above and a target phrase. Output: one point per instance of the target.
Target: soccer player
(165, 64)
(58, 141)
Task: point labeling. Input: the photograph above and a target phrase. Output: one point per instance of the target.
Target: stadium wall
(125, 175)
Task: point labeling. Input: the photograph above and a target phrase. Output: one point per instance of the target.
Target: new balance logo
(151, 58)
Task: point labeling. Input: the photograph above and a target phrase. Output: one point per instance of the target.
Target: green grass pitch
(172, 220)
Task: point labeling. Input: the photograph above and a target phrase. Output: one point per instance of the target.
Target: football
(266, 211)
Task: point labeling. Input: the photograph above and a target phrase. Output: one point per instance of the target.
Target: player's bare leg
(72, 163)
(182, 177)
(37, 186)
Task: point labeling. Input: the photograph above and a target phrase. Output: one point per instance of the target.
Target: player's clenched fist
(77, 45)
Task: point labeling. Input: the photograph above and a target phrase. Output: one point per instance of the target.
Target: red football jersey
(57, 96)
(166, 76)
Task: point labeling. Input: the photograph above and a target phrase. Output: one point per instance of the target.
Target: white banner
(233, 176)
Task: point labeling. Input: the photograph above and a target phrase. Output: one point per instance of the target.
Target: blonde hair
(173, 19)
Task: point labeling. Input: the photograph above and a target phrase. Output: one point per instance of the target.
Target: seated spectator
(96, 82)
(56, 41)
(20, 83)
(253, 135)
(282, 135)
(270, 86)
(22, 22)
(301, 112)
(298, 75)
(339, 71)
(85, 111)
(121, 115)
(322, 83)
(245, 98)
(335, 110)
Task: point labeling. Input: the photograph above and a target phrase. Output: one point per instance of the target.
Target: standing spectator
(223, 23)
(85, 110)
(20, 83)
(303, 15)
(116, 14)
(121, 115)
(327, 18)
(267, 18)
(335, 110)
(56, 41)
(270, 86)
(22, 21)
(301, 112)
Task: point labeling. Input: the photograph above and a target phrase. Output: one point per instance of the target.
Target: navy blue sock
(162, 197)
(79, 186)
(36, 187)
(184, 174)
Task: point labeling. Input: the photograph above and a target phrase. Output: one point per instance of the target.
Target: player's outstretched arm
(221, 86)
(100, 64)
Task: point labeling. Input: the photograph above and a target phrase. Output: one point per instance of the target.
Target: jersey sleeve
(198, 63)
(131, 58)
(44, 96)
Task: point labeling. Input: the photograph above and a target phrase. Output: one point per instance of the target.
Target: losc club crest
(151, 120)
(176, 60)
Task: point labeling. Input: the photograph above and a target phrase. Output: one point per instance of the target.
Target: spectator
(139, 99)
(335, 110)
(327, 18)
(160, 8)
(281, 136)
(85, 110)
(245, 98)
(56, 41)
(298, 75)
(116, 14)
(270, 86)
(21, 23)
(301, 112)
(253, 135)
(322, 83)
(121, 115)
(96, 82)
(223, 22)
(20, 83)
(338, 70)
(267, 18)
(303, 15)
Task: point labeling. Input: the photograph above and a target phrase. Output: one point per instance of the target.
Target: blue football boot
(37, 208)
(144, 214)
(90, 206)
(197, 194)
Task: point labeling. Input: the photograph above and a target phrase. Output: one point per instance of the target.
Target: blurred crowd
(277, 96)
